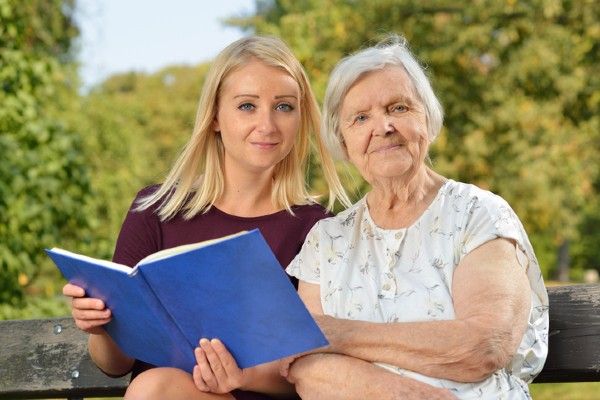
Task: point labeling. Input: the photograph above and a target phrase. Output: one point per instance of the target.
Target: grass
(565, 391)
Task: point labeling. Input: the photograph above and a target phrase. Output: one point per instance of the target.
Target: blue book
(232, 289)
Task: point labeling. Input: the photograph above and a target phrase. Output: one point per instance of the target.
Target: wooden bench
(48, 358)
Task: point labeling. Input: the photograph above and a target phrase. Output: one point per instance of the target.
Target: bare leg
(334, 376)
(168, 383)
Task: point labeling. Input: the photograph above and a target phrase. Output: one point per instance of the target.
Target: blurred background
(97, 98)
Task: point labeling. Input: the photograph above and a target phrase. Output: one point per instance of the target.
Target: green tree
(134, 126)
(519, 82)
(43, 176)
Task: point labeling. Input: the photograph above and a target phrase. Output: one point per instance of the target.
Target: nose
(383, 126)
(266, 122)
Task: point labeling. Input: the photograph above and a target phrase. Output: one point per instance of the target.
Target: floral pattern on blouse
(400, 275)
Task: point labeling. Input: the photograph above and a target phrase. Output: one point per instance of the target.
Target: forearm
(107, 356)
(265, 378)
(455, 350)
(334, 376)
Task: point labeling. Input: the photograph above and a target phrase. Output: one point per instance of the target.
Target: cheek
(419, 150)
(356, 153)
(291, 131)
(355, 145)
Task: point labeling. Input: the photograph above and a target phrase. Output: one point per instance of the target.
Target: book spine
(183, 355)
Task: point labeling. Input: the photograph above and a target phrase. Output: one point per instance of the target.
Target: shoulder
(146, 192)
(140, 232)
(349, 219)
(146, 202)
(314, 212)
(470, 198)
(140, 196)
(483, 215)
(135, 214)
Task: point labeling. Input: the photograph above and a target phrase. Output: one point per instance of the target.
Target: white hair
(393, 50)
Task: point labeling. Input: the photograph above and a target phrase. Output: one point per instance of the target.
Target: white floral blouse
(373, 274)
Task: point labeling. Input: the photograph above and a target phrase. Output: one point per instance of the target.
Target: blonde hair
(196, 180)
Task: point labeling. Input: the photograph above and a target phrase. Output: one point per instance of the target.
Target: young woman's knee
(161, 383)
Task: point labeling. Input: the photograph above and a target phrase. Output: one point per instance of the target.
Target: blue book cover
(232, 289)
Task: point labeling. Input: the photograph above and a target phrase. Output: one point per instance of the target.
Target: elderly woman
(426, 287)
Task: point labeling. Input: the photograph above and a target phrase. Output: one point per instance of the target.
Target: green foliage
(37, 307)
(519, 82)
(586, 251)
(135, 124)
(43, 176)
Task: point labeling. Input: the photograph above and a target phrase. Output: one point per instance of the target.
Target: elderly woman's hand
(285, 364)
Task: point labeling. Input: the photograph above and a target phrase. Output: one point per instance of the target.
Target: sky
(147, 35)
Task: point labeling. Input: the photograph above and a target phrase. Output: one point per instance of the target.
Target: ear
(215, 125)
(344, 149)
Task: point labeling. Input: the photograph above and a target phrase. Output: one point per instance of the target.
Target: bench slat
(574, 344)
(49, 359)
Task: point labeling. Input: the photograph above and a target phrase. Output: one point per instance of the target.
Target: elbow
(488, 362)
(490, 355)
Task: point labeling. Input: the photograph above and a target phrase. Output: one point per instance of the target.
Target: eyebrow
(283, 96)
(402, 99)
(353, 113)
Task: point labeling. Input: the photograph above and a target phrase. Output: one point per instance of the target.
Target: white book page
(159, 255)
(92, 260)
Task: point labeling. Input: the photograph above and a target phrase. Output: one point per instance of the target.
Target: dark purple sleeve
(139, 235)
(286, 234)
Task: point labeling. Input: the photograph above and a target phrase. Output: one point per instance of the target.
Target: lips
(264, 145)
(387, 147)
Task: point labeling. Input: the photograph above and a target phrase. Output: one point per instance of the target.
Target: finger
(91, 326)
(73, 291)
(87, 303)
(216, 365)
(91, 315)
(197, 375)
(225, 356)
(231, 369)
(199, 354)
(284, 367)
(205, 368)
(86, 317)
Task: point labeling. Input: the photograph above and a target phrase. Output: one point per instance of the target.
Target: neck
(247, 194)
(401, 203)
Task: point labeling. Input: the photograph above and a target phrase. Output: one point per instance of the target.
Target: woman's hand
(216, 371)
(89, 314)
(285, 364)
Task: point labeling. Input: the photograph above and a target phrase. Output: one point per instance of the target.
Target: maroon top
(143, 233)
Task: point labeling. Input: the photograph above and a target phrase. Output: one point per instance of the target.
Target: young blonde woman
(243, 168)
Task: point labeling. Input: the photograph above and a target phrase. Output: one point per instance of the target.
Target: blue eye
(246, 107)
(361, 118)
(400, 108)
(284, 107)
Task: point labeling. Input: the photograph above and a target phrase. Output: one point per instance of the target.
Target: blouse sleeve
(493, 218)
(306, 266)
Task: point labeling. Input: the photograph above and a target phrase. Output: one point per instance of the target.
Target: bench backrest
(49, 359)
(574, 347)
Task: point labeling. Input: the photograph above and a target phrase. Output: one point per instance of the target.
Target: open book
(232, 289)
